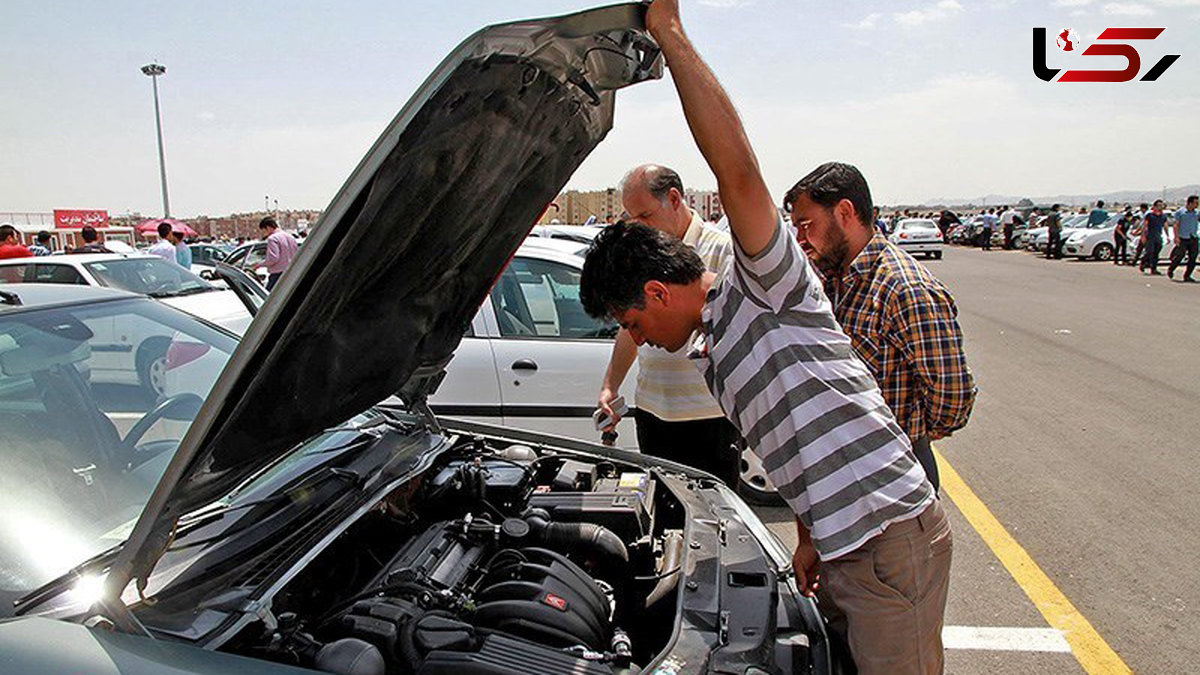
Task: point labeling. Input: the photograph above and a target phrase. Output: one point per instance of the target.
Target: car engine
(509, 561)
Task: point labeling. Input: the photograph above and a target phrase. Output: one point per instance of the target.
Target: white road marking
(1004, 639)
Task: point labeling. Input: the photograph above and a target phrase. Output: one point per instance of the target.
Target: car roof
(43, 295)
(545, 244)
(77, 258)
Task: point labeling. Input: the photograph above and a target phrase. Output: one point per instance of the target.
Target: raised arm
(717, 130)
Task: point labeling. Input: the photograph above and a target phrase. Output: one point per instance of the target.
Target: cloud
(942, 10)
(1078, 12)
(868, 22)
(726, 4)
(1072, 3)
(1127, 9)
(206, 116)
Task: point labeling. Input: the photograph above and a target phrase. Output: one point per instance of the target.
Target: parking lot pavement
(1082, 446)
(983, 596)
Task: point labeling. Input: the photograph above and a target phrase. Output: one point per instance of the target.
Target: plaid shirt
(903, 324)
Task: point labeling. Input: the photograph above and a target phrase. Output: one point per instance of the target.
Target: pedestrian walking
(1054, 232)
(1098, 215)
(42, 245)
(183, 253)
(989, 225)
(10, 243)
(1152, 229)
(91, 242)
(164, 247)
(1186, 242)
(1139, 231)
(677, 417)
(281, 248)
(902, 321)
(764, 335)
(1121, 240)
(1008, 219)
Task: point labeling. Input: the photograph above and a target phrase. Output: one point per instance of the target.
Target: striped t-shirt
(668, 385)
(786, 376)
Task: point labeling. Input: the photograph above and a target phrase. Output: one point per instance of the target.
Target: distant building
(575, 207)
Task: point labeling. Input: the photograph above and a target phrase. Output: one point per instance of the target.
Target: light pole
(153, 70)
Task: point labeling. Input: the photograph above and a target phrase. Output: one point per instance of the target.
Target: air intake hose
(595, 539)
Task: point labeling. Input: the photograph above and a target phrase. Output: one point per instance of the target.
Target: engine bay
(499, 558)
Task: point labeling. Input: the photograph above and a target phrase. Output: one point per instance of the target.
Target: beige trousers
(887, 599)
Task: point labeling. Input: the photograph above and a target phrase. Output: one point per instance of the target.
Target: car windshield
(94, 399)
(148, 276)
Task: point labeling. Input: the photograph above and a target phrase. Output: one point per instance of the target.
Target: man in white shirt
(677, 417)
(164, 248)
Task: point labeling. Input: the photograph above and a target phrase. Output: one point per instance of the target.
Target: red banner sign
(80, 217)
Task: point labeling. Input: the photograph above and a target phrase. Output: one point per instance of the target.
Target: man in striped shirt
(764, 336)
(676, 416)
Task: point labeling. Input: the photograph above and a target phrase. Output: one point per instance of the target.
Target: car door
(471, 389)
(550, 355)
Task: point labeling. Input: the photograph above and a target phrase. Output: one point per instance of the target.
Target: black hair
(830, 183)
(1192, 198)
(266, 223)
(622, 258)
(7, 231)
(164, 228)
(1099, 203)
(43, 236)
(89, 234)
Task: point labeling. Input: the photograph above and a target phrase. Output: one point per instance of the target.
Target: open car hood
(381, 292)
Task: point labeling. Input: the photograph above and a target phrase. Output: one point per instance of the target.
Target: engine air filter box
(623, 504)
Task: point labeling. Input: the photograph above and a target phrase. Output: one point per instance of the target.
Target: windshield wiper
(62, 583)
(186, 291)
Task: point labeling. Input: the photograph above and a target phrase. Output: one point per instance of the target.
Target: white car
(578, 233)
(918, 235)
(139, 273)
(1038, 238)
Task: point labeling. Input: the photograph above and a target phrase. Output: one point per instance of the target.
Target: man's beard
(830, 263)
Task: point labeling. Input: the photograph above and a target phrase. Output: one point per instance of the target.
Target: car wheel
(1104, 252)
(937, 255)
(152, 367)
(753, 484)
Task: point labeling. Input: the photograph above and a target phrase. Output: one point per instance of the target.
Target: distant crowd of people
(11, 246)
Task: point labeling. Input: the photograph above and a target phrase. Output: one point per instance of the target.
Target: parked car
(578, 233)
(918, 235)
(303, 518)
(208, 254)
(1038, 238)
(250, 257)
(138, 273)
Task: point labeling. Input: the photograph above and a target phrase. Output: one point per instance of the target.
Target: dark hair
(164, 228)
(7, 231)
(43, 236)
(1192, 198)
(830, 183)
(660, 180)
(89, 234)
(1099, 203)
(266, 223)
(622, 258)
(1054, 208)
(1145, 206)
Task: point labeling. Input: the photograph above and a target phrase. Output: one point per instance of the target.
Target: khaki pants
(887, 599)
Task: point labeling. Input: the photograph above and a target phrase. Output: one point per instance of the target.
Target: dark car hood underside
(382, 291)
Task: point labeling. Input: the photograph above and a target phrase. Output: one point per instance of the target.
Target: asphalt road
(1083, 445)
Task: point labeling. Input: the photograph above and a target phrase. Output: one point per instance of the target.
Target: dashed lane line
(1089, 648)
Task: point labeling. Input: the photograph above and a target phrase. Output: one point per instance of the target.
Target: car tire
(937, 255)
(753, 484)
(152, 366)
(1103, 252)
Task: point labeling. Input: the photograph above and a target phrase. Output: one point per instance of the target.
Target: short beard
(831, 263)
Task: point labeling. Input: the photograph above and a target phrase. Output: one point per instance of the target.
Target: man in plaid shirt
(902, 321)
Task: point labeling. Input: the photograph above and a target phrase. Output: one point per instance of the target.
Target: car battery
(623, 504)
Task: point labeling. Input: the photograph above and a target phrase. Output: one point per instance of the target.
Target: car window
(539, 298)
(94, 400)
(56, 274)
(146, 276)
(13, 274)
(254, 257)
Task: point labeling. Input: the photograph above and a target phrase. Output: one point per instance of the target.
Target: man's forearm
(623, 355)
(722, 140)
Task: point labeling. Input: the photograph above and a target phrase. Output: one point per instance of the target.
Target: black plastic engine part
(573, 476)
(350, 657)
(623, 505)
(439, 555)
(543, 596)
(500, 481)
(503, 655)
(590, 540)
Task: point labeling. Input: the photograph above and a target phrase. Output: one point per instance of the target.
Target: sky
(279, 100)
